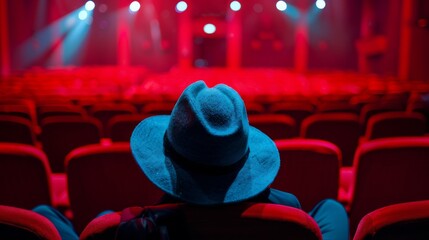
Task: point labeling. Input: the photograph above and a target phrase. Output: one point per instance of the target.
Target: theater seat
(395, 124)
(61, 134)
(17, 223)
(341, 129)
(238, 221)
(388, 171)
(101, 177)
(309, 169)
(25, 176)
(276, 126)
(403, 221)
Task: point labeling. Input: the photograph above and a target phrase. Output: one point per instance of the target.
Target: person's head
(205, 152)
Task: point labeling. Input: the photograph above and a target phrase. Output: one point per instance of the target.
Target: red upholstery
(241, 221)
(17, 130)
(61, 134)
(388, 171)
(104, 112)
(309, 169)
(24, 176)
(105, 178)
(371, 109)
(395, 124)
(396, 222)
(158, 108)
(297, 110)
(120, 127)
(342, 129)
(276, 126)
(337, 106)
(16, 223)
(48, 110)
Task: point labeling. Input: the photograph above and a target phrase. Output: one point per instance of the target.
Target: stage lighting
(83, 14)
(281, 5)
(209, 28)
(181, 6)
(134, 6)
(89, 6)
(320, 4)
(235, 6)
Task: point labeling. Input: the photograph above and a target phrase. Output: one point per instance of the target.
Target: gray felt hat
(205, 152)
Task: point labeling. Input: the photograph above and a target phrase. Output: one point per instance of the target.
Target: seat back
(276, 126)
(389, 171)
(238, 221)
(309, 169)
(297, 110)
(395, 124)
(120, 127)
(342, 129)
(24, 176)
(104, 112)
(17, 223)
(158, 108)
(61, 134)
(16, 130)
(370, 109)
(48, 110)
(105, 178)
(401, 221)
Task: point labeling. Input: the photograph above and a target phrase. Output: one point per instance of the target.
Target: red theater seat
(401, 221)
(371, 109)
(238, 221)
(309, 169)
(17, 223)
(388, 171)
(120, 128)
(342, 129)
(395, 124)
(25, 176)
(276, 126)
(297, 110)
(158, 108)
(48, 110)
(61, 134)
(15, 129)
(104, 112)
(103, 178)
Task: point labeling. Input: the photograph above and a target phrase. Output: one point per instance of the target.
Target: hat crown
(209, 126)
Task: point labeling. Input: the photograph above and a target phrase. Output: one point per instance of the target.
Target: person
(206, 153)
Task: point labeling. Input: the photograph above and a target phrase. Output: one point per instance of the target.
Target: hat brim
(193, 186)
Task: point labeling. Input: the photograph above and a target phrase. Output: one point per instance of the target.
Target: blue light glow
(83, 14)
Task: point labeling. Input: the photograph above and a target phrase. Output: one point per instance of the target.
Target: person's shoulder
(284, 198)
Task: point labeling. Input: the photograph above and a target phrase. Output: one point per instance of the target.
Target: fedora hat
(205, 152)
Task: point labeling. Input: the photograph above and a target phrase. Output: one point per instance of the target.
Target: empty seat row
(385, 171)
(60, 134)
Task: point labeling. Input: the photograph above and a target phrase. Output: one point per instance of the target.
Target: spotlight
(181, 6)
(83, 14)
(235, 6)
(89, 6)
(281, 5)
(134, 6)
(320, 4)
(209, 28)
